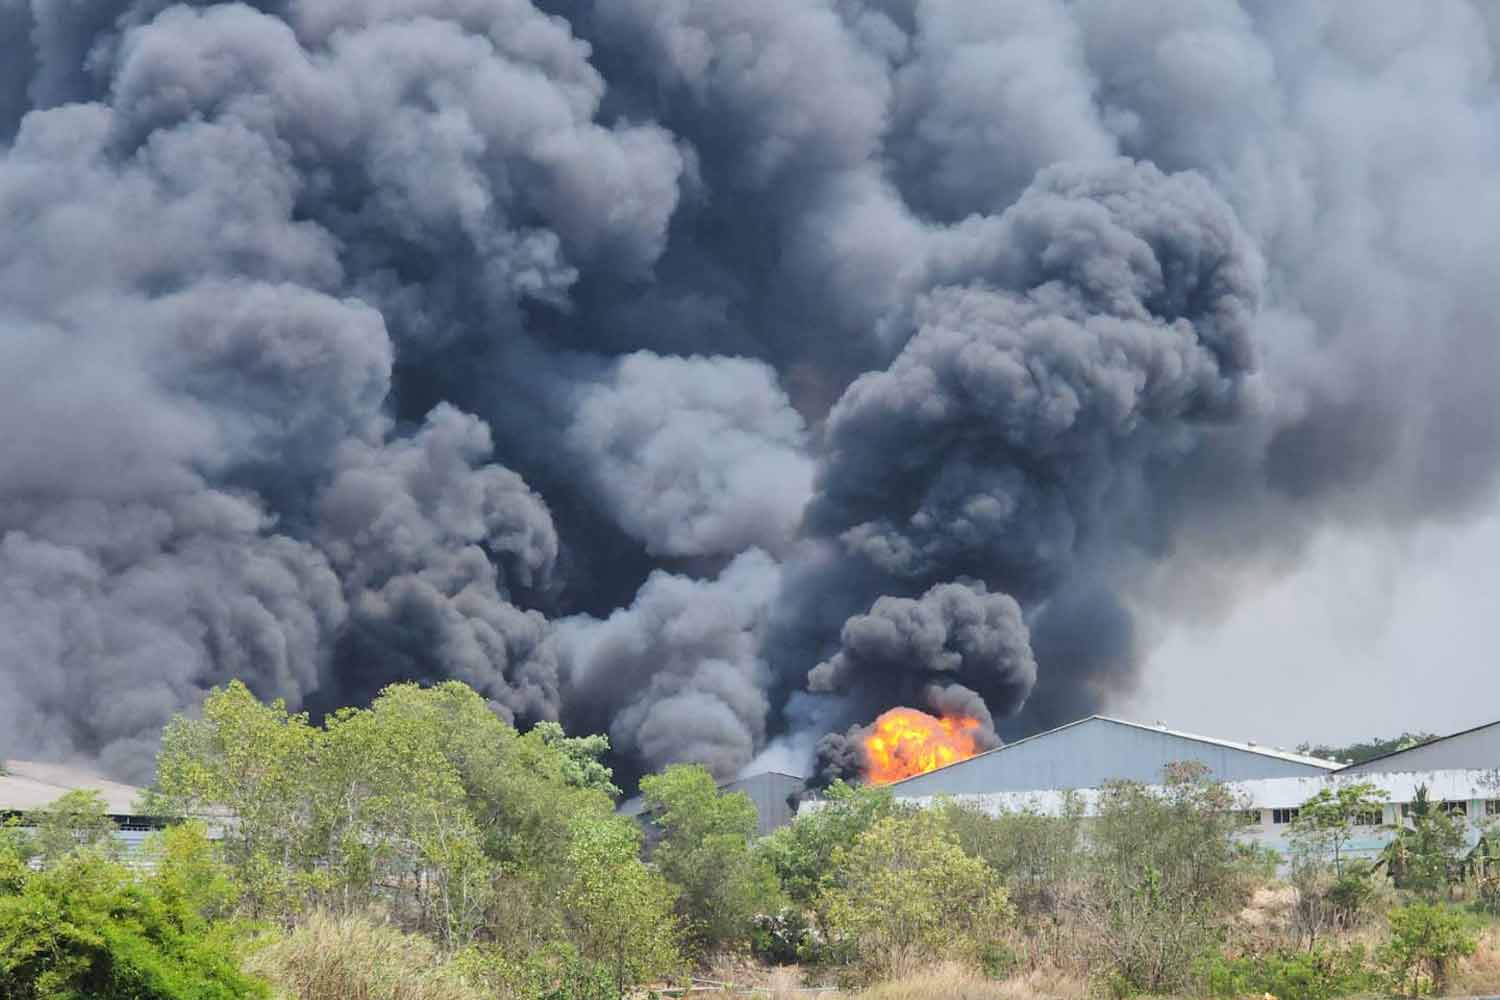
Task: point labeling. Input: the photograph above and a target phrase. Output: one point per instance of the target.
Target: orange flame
(904, 742)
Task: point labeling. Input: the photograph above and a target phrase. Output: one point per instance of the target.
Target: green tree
(801, 853)
(426, 804)
(1035, 855)
(1425, 939)
(1425, 851)
(86, 928)
(256, 763)
(906, 894)
(73, 821)
(16, 854)
(582, 766)
(1332, 889)
(618, 910)
(391, 811)
(188, 871)
(705, 853)
(1358, 753)
(1163, 876)
(1327, 822)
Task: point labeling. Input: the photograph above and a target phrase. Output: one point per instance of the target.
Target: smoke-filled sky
(718, 374)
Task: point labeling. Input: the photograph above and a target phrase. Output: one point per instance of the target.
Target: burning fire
(904, 742)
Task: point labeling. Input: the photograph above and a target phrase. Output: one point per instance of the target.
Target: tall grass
(356, 958)
(951, 981)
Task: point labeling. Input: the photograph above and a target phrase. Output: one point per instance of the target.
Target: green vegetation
(329, 957)
(1163, 877)
(1333, 891)
(424, 849)
(1315, 974)
(76, 820)
(705, 852)
(801, 854)
(905, 893)
(87, 928)
(1359, 752)
(1423, 856)
(1425, 940)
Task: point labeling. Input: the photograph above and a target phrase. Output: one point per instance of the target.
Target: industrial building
(1461, 774)
(27, 786)
(1090, 752)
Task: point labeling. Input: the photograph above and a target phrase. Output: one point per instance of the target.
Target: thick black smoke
(956, 632)
(715, 374)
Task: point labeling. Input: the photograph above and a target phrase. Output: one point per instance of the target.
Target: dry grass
(1480, 972)
(955, 982)
(356, 958)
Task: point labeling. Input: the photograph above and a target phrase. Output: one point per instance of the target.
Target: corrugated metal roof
(27, 784)
(1273, 752)
(1277, 752)
(1385, 758)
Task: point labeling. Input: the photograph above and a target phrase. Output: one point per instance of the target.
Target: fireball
(904, 742)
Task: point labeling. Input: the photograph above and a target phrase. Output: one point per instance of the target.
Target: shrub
(86, 927)
(905, 893)
(801, 853)
(1425, 851)
(1316, 974)
(619, 912)
(1425, 939)
(1034, 854)
(785, 937)
(356, 958)
(1164, 877)
(705, 852)
(555, 971)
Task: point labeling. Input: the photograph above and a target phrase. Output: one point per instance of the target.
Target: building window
(1455, 807)
(1492, 807)
(1250, 817)
(1368, 819)
(1281, 816)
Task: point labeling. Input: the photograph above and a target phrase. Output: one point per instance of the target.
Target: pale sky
(1366, 639)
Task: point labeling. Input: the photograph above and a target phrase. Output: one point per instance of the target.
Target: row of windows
(1455, 807)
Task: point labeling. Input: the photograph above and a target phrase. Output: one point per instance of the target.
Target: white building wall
(1271, 797)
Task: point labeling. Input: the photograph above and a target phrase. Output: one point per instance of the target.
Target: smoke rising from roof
(715, 374)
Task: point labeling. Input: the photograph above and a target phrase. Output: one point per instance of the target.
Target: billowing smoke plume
(710, 373)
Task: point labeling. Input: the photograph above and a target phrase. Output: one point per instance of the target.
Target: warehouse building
(1460, 774)
(27, 786)
(1093, 751)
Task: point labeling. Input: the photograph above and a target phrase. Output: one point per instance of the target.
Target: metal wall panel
(1475, 749)
(1092, 752)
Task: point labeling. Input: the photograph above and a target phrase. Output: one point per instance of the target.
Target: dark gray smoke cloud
(630, 360)
(954, 632)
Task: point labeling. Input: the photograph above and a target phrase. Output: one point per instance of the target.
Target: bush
(1035, 855)
(785, 937)
(617, 911)
(705, 853)
(1425, 939)
(356, 958)
(86, 927)
(1164, 877)
(905, 893)
(552, 972)
(801, 853)
(1317, 974)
